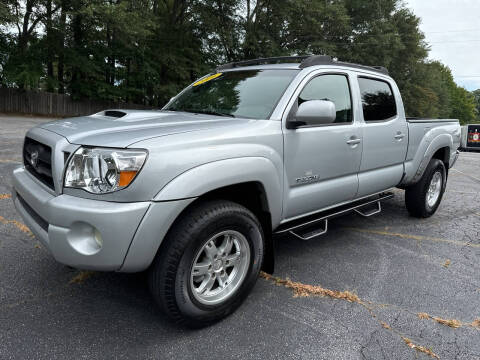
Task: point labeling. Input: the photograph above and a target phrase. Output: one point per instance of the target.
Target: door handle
(399, 136)
(354, 141)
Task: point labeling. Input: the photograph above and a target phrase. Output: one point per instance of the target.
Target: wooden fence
(55, 105)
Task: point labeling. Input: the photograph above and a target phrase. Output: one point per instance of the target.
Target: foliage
(145, 51)
(476, 95)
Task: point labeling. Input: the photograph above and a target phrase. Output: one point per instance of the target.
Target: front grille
(37, 158)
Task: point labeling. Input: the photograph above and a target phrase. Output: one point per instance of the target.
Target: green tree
(23, 67)
(476, 96)
(462, 104)
(145, 51)
(427, 92)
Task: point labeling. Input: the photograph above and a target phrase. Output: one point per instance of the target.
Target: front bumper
(72, 228)
(68, 226)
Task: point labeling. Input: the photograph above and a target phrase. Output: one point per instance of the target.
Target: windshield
(250, 94)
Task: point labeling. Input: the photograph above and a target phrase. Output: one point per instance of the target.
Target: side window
(377, 100)
(330, 87)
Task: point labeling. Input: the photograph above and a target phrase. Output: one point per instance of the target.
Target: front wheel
(208, 264)
(423, 198)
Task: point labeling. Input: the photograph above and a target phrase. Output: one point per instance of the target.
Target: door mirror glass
(316, 112)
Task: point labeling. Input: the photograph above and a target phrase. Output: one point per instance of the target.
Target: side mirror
(314, 112)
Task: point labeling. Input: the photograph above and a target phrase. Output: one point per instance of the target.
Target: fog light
(84, 238)
(98, 238)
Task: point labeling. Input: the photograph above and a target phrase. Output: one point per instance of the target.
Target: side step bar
(369, 212)
(313, 226)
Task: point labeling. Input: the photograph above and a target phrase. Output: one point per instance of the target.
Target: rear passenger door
(385, 135)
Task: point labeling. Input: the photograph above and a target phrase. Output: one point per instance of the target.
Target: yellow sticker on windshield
(208, 78)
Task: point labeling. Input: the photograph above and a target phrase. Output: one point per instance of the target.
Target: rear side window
(377, 100)
(334, 88)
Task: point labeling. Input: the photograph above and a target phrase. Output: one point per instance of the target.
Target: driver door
(322, 161)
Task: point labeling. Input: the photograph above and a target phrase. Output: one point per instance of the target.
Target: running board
(369, 212)
(313, 226)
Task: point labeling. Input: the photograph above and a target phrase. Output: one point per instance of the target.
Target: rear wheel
(209, 262)
(423, 198)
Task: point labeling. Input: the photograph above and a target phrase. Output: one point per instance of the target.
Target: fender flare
(439, 142)
(221, 173)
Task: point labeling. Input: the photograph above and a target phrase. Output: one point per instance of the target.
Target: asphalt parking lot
(402, 288)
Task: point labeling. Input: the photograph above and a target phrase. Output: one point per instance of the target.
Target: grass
(448, 322)
(303, 290)
(419, 348)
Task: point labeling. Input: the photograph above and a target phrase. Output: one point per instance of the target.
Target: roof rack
(260, 61)
(305, 61)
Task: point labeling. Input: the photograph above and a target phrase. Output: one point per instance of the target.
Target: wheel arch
(443, 154)
(226, 176)
(252, 195)
(438, 148)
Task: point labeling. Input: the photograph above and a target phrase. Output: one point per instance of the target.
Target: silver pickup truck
(196, 192)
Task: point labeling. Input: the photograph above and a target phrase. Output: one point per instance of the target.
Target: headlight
(100, 171)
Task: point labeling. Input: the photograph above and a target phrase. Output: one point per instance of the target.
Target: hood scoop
(113, 113)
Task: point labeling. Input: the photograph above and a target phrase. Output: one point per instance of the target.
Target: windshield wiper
(218, 113)
(204, 111)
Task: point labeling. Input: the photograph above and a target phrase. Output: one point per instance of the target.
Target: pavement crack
(305, 290)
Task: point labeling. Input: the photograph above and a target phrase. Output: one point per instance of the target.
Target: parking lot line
(463, 192)
(414, 237)
(467, 175)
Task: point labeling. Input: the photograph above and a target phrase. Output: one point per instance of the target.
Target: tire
(419, 201)
(189, 242)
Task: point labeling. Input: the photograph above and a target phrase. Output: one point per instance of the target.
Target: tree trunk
(61, 57)
(50, 50)
(77, 46)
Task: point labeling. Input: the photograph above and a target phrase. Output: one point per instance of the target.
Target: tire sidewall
(232, 220)
(435, 166)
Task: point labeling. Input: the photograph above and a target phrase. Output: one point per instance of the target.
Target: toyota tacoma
(196, 192)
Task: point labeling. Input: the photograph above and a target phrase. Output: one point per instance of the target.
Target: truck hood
(128, 127)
